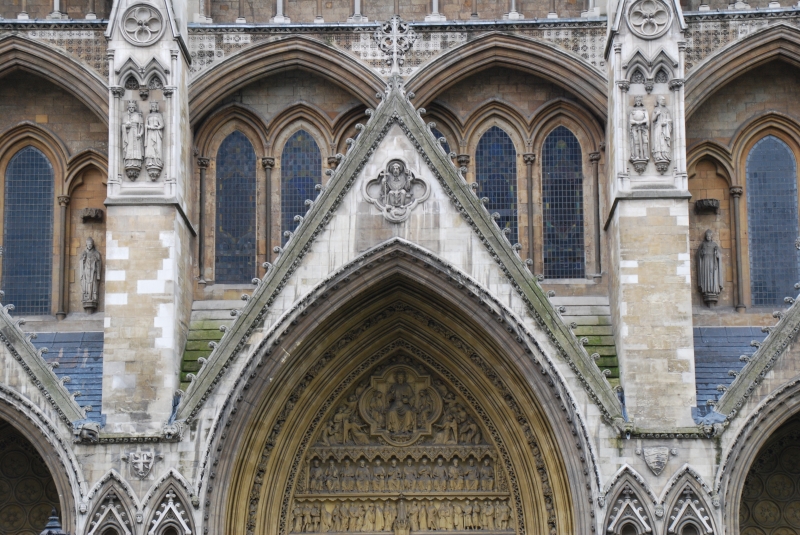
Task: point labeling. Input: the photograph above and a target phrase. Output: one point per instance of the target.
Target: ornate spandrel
(401, 452)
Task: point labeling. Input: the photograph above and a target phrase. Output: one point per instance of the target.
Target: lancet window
(301, 170)
(496, 168)
(28, 232)
(562, 205)
(235, 239)
(772, 221)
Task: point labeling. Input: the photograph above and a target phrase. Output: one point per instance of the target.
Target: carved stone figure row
(639, 134)
(416, 515)
(142, 141)
(422, 477)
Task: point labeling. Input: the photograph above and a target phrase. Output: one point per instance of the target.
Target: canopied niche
(399, 447)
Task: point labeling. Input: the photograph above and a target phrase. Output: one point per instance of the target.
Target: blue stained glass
(235, 242)
(772, 221)
(562, 206)
(438, 135)
(301, 171)
(496, 168)
(28, 233)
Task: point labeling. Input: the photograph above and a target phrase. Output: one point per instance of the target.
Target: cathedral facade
(391, 267)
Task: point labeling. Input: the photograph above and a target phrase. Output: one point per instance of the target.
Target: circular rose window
(649, 18)
(142, 25)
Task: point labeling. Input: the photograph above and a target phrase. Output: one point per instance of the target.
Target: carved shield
(656, 458)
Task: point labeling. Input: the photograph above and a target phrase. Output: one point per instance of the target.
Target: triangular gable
(396, 112)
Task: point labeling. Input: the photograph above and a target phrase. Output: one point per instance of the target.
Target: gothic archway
(392, 315)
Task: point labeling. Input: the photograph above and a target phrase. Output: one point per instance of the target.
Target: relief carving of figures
(132, 138)
(662, 135)
(710, 275)
(396, 191)
(154, 136)
(639, 131)
(91, 265)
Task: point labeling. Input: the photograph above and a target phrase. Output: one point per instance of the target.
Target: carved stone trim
(396, 191)
(268, 163)
(649, 19)
(736, 191)
(142, 25)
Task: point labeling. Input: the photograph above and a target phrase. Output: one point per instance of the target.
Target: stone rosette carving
(396, 191)
(649, 19)
(142, 25)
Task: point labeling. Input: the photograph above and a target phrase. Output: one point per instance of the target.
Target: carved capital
(63, 200)
(594, 157)
(333, 162)
(625, 85)
(167, 91)
(529, 158)
(675, 84)
(203, 163)
(117, 91)
(268, 163)
(682, 46)
(462, 160)
(736, 191)
(617, 47)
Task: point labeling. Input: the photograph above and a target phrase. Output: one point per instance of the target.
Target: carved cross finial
(394, 39)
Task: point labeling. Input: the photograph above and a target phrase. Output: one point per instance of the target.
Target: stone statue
(471, 476)
(709, 269)
(91, 266)
(132, 133)
(316, 477)
(409, 476)
(153, 159)
(363, 477)
(439, 476)
(400, 417)
(395, 477)
(487, 476)
(662, 135)
(638, 124)
(378, 477)
(332, 477)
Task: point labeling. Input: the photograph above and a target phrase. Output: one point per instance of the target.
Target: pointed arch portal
(327, 423)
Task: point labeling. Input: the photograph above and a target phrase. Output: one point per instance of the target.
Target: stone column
(529, 159)
(241, 19)
(594, 160)
(552, 13)
(356, 16)
(63, 201)
(90, 14)
(202, 164)
(474, 14)
(736, 193)
(269, 165)
(434, 15)
(23, 13)
(279, 17)
(318, 18)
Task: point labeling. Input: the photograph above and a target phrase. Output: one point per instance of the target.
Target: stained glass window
(772, 221)
(301, 171)
(437, 135)
(496, 168)
(28, 233)
(235, 243)
(562, 206)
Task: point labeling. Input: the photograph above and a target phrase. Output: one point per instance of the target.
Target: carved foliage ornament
(396, 191)
(649, 18)
(142, 25)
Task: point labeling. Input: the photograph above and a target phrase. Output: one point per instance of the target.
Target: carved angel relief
(396, 191)
(401, 453)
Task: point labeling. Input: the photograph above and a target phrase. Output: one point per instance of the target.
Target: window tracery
(301, 170)
(235, 237)
(28, 232)
(496, 172)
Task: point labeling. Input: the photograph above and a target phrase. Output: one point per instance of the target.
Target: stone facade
(399, 357)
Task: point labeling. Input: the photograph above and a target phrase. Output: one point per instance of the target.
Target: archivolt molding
(81, 162)
(519, 53)
(297, 52)
(231, 114)
(778, 41)
(29, 133)
(716, 152)
(751, 131)
(18, 52)
(689, 507)
(683, 476)
(114, 509)
(282, 125)
(112, 480)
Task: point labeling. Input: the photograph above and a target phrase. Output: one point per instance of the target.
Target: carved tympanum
(396, 191)
(401, 452)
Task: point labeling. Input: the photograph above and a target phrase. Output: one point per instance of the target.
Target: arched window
(562, 206)
(235, 242)
(772, 221)
(301, 170)
(496, 171)
(28, 233)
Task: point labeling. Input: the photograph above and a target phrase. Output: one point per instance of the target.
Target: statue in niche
(153, 159)
(395, 477)
(662, 135)
(487, 476)
(91, 265)
(396, 191)
(638, 124)
(132, 134)
(710, 269)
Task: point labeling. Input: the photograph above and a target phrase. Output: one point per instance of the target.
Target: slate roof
(716, 351)
(79, 356)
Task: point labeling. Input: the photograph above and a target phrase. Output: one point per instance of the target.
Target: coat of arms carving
(141, 462)
(396, 191)
(656, 458)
